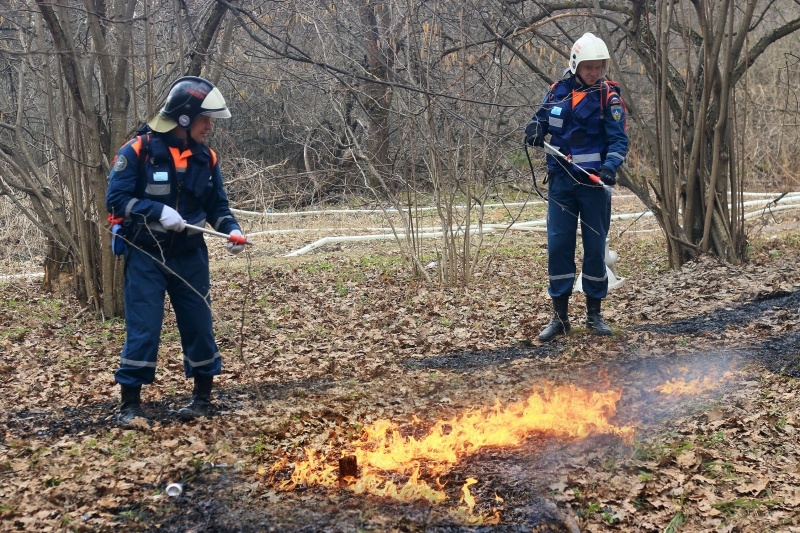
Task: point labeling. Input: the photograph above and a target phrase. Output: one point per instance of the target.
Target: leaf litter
(704, 360)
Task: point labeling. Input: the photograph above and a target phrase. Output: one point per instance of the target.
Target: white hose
(27, 275)
(787, 202)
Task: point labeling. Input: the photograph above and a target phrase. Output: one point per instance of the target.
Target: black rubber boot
(594, 321)
(560, 323)
(131, 406)
(201, 399)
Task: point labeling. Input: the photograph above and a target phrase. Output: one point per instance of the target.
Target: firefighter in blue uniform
(160, 181)
(585, 117)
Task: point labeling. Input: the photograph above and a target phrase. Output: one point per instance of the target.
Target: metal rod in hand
(236, 239)
(550, 149)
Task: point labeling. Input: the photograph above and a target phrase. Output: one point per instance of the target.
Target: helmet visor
(214, 105)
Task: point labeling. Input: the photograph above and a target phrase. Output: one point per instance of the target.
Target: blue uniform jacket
(154, 170)
(592, 132)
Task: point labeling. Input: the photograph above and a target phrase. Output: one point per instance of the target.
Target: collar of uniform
(173, 141)
(200, 151)
(577, 85)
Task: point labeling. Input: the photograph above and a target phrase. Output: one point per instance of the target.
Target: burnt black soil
(764, 307)
(779, 354)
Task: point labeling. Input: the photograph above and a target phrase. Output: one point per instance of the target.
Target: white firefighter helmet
(589, 47)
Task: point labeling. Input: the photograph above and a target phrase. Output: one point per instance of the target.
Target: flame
(465, 514)
(466, 495)
(375, 483)
(385, 454)
(679, 386)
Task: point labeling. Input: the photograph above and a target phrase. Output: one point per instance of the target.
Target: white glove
(171, 219)
(234, 248)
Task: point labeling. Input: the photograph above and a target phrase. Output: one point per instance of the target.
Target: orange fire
(679, 386)
(384, 454)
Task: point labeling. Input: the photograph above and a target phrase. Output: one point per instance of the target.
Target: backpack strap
(551, 91)
(144, 148)
(608, 90)
(156, 149)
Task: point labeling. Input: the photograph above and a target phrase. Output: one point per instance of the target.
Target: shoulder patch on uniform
(613, 99)
(120, 164)
(616, 112)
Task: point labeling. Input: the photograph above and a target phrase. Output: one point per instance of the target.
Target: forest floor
(685, 419)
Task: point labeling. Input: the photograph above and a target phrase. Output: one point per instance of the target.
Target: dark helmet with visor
(188, 98)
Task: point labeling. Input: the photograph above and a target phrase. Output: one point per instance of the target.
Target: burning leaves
(384, 451)
(680, 386)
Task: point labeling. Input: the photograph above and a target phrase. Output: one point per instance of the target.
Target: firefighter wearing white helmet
(161, 180)
(584, 116)
(587, 48)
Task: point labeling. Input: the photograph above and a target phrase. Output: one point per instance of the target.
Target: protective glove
(534, 135)
(117, 241)
(607, 176)
(171, 219)
(234, 248)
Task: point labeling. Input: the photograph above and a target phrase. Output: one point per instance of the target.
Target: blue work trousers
(571, 198)
(186, 279)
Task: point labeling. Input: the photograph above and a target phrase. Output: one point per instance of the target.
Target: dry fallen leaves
(334, 344)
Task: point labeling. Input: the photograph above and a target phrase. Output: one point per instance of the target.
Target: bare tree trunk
(198, 57)
(88, 120)
(667, 186)
(704, 121)
(380, 62)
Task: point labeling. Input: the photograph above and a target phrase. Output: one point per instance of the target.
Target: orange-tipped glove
(236, 248)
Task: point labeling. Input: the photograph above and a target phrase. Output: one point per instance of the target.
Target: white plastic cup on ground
(174, 490)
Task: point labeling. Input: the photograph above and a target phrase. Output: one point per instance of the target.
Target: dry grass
(21, 242)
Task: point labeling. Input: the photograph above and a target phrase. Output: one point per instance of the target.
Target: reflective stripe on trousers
(568, 200)
(146, 284)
